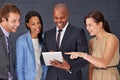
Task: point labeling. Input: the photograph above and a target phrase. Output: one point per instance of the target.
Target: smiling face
(35, 26)
(12, 23)
(93, 27)
(60, 17)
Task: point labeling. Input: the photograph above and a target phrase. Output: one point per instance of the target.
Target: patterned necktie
(58, 38)
(10, 60)
(8, 45)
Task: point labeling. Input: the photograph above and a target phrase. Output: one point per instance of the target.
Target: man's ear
(3, 19)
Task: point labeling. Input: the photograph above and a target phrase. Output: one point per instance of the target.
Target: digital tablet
(47, 56)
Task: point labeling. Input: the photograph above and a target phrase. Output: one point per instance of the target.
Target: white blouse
(37, 51)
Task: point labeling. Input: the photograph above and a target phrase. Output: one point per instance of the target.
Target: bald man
(71, 39)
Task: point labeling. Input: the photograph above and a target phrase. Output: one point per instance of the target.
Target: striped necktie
(58, 38)
(10, 60)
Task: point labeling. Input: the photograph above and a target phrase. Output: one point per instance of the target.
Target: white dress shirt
(62, 33)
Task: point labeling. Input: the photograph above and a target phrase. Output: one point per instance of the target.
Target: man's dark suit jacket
(4, 60)
(74, 40)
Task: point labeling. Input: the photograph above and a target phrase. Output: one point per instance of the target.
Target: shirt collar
(64, 27)
(4, 31)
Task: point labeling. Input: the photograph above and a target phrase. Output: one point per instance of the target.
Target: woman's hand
(75, 55)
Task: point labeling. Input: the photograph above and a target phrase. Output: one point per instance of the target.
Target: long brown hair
(98, 17)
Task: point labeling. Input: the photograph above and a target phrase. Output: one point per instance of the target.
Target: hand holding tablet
(49, 56)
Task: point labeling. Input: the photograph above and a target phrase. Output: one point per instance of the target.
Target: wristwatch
(69, 70)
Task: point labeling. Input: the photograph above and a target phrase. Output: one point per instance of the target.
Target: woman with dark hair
(28, 49)
(104, 49)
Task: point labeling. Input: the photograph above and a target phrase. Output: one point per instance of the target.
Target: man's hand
(62, 65)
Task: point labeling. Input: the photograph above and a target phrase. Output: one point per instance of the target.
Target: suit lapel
(30, 44)
(54, 38)
(66, 36)
(2, 38)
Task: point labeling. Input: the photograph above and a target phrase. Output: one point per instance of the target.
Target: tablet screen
(47, 56)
